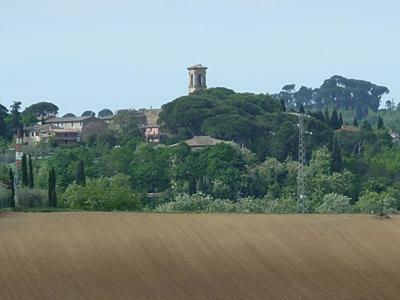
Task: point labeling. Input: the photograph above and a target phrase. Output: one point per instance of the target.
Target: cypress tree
(340, 120)
(327, 119)
(337, 161)
(301, 109)
(283, 105)
(334, 119)
(12, 188)
(52, 193)
(380, 123)
(30, 173)
(355, 123)
(24, 171)
(80, 175)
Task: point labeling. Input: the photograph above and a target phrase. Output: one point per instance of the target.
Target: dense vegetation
(254, 170)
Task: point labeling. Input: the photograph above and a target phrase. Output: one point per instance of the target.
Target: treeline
(254, 170)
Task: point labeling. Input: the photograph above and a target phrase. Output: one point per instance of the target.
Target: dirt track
(151, 256)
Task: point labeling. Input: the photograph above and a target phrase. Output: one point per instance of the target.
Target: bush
(32, 198)
(251, 205)
(283, 205)
(187, 203)
(5, 196)
(375, 203)
(105, 194)
(335, 203)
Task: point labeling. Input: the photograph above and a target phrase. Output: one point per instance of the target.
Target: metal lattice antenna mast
(301, 183)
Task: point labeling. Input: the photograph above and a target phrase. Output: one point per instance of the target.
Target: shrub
(187, 203)
(105, 194)
(5, 196)
(32, 198)
(251, 205)
(283, 205)
(335, 203)
(373, 203)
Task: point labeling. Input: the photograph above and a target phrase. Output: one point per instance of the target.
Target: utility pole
(301, 176)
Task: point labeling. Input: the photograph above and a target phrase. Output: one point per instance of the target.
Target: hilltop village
(70, 129)
(327, 149)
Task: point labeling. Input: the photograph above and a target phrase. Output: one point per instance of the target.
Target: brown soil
(152, 256)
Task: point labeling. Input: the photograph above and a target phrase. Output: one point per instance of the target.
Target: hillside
(152, 256)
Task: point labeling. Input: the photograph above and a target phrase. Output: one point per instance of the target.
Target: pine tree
(337, 161)
(12, 188)
(30, 173)
(380, 123)
(24, 171)
(355, 123)
(80, 175)
(52, 193)
(335, 120)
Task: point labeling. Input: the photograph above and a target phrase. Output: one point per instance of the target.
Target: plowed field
(154, 256)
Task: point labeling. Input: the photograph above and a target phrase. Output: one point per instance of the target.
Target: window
(200, 80)
(191, 80)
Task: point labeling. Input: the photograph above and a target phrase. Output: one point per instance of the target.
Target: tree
(41, 109)
(69, 115)
(365, 126)
(16, 116)
(4, 130)
(335, 120)
(355, 123)
(125, 125)
(24, 171)
(12, 188)
(80, 175)
(283, 105)
(337, 160)
(380, 123)
(340, 120)
(52, 193)
(30, 173)
(105, 113)
(88, 113)
(335, 203)
(301, 109)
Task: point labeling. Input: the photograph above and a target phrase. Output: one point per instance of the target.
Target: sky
(116, 54)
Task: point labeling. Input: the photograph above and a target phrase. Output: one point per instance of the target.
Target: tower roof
(197, 67)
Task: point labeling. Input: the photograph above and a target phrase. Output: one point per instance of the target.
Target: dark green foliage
(340, 120)
(16, 117)
(41, 109)
(68, 115)
(52, 193)
(301, 109)
(12, 187)
(336, 153)
(365, 126)
(335, 123)
(30, 173)
(380, 123)
(88, 113)
(355, 123)
(105, 113)
(283, 105)
(24, 171)
(80, 174)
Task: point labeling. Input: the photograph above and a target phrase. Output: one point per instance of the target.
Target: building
(64, 131)
(148, 122)
(197, 78)
(201, 142)
(395, 137)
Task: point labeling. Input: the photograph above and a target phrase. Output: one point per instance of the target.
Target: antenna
(301, 176)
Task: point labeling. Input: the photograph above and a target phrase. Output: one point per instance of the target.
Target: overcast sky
(94, 54)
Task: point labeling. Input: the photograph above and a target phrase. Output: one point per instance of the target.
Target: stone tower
(197, 78)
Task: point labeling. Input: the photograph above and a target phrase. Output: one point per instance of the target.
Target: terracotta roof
(203, 141)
